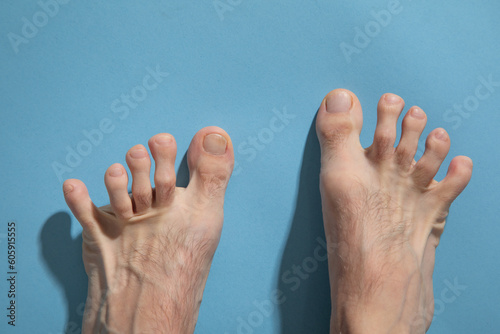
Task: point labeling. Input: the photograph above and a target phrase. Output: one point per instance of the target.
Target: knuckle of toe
(338, 183)
(384, 143)
(213, 182)
(164, 192)
(404, 155)
(385, 137)
(341, 126)
(164, 187)
(121, 210)
(164, 182)
(338, 135)
(142, 198)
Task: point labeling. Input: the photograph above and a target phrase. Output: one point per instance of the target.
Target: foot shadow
(183, 173)
(63, 256)
(303, 277)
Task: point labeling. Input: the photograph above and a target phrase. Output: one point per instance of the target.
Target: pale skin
(383, 214)
(148, 254)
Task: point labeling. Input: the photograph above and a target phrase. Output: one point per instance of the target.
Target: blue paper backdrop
(70, 68)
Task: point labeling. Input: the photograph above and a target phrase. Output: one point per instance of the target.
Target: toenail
(215, 144)
(391, 98)
(163, 140)
(116, 171)
(338, 102)
(67, 188)
(441, 135)
(417, 113)
(138, 154)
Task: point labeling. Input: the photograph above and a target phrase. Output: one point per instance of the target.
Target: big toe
(338, 125)
(210, 161)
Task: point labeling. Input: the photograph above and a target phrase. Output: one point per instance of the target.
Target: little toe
(78, 200)
(456, 179)
(116, 181)
(164, 149)
(140, 166)
(437, 146)
(413, 125)
(210, 162)
(388, 110)
(338, 125)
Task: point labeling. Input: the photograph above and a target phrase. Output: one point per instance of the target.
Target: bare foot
(148, 255)
(383, 214)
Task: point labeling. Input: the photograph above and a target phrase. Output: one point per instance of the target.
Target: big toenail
(391, 98)
(215, 144)
(338, 102)
(116, 171)
(138, 154)
(163, 140)
(441, 135)
(417, 113)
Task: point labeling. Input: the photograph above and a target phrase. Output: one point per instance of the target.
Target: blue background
(231, 67)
